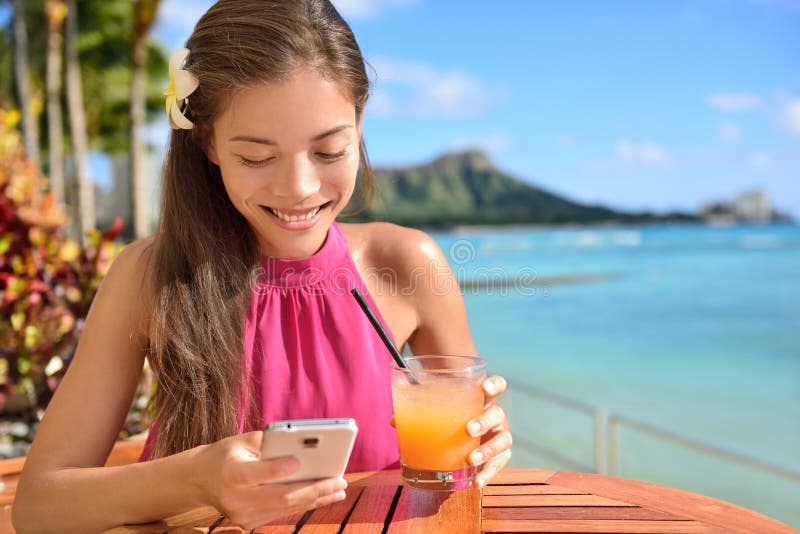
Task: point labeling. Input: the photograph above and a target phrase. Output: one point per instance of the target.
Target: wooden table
(517, 500)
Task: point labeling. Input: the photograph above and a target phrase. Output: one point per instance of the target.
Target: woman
(241, 300)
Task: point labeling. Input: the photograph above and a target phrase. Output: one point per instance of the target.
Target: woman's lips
(295, 219)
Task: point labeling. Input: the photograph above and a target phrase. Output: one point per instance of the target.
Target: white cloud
(497, 143)
(791, 115)
(735, 101)
(760, 161)
(367, 8)
(415, 89)
(729, 132)
(646, 153)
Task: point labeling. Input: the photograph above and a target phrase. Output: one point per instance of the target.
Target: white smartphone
(322, 446)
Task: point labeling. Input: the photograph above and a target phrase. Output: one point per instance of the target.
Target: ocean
(690, 328)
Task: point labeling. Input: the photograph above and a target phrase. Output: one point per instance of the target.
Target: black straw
(398, 358)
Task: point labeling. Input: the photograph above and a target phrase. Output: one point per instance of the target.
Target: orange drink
(434, 399)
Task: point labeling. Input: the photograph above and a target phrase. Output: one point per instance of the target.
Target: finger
(491, 417)
(244, 447)
(492, 467)
(499, 443)
(494, 385)
(251, 473)
(283, 498)
(310, 493)
(252, 440)
(254, 517)
(330, 499)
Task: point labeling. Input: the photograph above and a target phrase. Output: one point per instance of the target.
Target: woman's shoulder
(133, 259)
(128, 279)
(382, 245)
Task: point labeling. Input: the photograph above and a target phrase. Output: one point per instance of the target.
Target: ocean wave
(760, 241)
(596, 239)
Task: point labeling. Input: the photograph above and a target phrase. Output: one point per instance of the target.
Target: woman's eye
(254, 162)
(331, 156)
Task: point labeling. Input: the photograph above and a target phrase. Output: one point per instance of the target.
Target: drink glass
(434, 399)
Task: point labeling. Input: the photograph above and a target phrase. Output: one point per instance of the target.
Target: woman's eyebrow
(264, 141)
(332, 131)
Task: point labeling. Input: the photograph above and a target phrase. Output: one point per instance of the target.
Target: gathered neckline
(310, 271)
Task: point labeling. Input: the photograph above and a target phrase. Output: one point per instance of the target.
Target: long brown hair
(205, 254)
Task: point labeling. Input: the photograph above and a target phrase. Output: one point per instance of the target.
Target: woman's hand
(492, 426)
(237, 483)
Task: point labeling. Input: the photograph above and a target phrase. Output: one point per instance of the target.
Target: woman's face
(288, 153)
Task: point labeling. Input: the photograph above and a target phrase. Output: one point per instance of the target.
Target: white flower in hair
(182, 83)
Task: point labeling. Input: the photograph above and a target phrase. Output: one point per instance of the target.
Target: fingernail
(480, 481)
(476, 457)
(489, 387)
(473, 428)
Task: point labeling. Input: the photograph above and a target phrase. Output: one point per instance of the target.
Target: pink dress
(311, 353)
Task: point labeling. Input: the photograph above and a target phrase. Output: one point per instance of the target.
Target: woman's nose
(297, 179)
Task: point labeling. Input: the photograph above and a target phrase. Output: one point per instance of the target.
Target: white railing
(606, 438)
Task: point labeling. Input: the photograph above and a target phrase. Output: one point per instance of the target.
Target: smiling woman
(288, 154)
(241, 301)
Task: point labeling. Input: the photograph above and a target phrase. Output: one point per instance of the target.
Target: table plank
(282, 525)
(437, 512)
(5, 519)
(576, 512)
(205, 515)
(329, 519)
(371, 510)
(11, 466)
(490, 501)
(511, 475)
(674, 501)
(9, 477)
(530, 489)
(375, 478)
(575, 526)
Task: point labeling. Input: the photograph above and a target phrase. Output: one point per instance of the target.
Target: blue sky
(638, 105)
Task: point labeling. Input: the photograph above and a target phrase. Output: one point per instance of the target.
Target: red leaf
(114, 230)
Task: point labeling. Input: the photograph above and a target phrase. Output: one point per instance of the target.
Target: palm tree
(56, 11)
(77, 122)
(144, 15)
(29, 130)
(105, 31)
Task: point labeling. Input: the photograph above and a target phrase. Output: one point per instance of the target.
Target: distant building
(750, 206)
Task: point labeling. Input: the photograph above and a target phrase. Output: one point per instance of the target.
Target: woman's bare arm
(63, 486)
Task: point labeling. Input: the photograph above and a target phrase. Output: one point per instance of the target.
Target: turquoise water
(691, 328)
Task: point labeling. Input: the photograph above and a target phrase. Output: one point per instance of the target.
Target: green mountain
(466, 188)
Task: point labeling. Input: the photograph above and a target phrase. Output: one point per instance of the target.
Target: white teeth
(294, 218)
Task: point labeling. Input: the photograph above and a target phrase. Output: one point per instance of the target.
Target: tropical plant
(22, 80)
(47, 284)
(105, 35)
(84, 199)
(144, 16)
(55, 12)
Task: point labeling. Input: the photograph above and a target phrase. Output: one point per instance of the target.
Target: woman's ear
(206, 140)
(211, 153)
